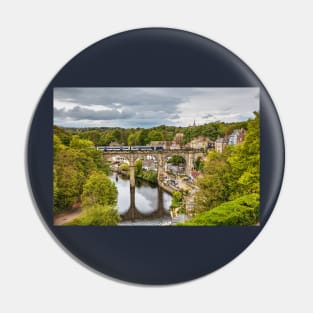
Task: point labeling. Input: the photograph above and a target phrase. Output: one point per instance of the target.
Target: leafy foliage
(177, 199)
(199, 164)
(74, 161)
(233, 173)
(150, 176)
(140, 136)
(124, 167)
(176, 159)
(214, 183)
(71, 169)
(241, 211)
(97, 215)
(99, 189)
(138, 167)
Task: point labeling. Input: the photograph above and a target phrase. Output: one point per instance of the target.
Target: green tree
(99, 189)
(155, 135)
(71, 168)
(245, 162)
(241, 211)
(81, 144)
(138, 167)
(176, 159)
(117, 135)
(57, 144)
(142, 137)
(67, 188)
(64, 135)
(214, 182)
(233, 173)
(199, 164)
(131, 140)
(124, 167)
(177, 199)
(107, 138)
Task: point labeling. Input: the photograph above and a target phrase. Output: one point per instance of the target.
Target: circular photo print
(155, 156)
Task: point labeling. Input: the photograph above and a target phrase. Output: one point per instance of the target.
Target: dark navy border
(154, 57)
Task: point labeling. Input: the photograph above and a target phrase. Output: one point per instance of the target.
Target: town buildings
(199, 142)
(163, 143)
(236, 137)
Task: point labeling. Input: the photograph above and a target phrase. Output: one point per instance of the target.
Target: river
(147, 198)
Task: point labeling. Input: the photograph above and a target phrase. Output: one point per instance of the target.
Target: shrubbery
(177, 199)
(233, 173)
(75, 161)
(99, 189)
(97, 215)
(241, 211)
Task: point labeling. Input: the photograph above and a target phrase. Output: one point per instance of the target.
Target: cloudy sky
(147, 107)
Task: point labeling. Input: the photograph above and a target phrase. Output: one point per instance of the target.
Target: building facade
(220, 144)
(237, 136)
(165, 144)
(199, 142)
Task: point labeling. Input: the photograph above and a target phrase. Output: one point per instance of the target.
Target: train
(130, 148)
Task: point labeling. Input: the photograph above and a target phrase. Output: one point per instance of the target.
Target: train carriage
(129, 148)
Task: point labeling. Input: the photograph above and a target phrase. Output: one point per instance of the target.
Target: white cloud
(146, 107)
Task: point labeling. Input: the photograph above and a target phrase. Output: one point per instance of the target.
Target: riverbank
(66, 217)
(168, 189)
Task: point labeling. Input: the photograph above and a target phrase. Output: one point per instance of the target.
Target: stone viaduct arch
(189, 155)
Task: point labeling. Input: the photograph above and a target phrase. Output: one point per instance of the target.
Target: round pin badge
(155, 156)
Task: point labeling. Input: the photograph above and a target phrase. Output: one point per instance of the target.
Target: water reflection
(146, 196)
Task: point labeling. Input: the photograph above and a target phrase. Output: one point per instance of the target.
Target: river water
(147, 198)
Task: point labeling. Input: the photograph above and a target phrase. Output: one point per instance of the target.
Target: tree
(155, 135)
(78, 143)
(71, 169)
(138, 167)
(57, 144)
(117, 135)
(131, 140)
(245, 162)
(176, 159)
(124, 167)
(107, 138)
(214, 182)
(233, 173)
(199, 164)
(64, 135)
(142, 137)
(99, 189)
(241, 211)
(67, 186)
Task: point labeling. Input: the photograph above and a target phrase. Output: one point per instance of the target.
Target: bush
(97, 215)
(99, 189)
(150, 176)
(124, 167)
(241, 211)
(177, 199)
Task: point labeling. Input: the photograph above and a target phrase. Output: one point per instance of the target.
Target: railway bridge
(190, 156)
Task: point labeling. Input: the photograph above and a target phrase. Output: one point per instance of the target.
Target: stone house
(178, 139)
(165, 144)
(237, 136)
(114, 144)
(220, 144)
(199, 142)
